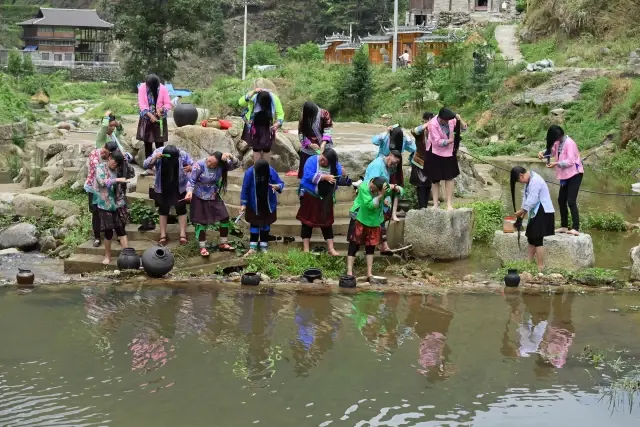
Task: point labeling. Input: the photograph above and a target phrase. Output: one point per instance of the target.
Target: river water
(163, 357)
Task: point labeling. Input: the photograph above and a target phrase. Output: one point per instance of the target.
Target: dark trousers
(148, 148)
(95, 218)
(120, 232)
(354, 248)
(568, 197)
(306, 232)
(424, 194)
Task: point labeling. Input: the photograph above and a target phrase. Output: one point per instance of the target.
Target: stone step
(340, 210)
(173, 233)
(84, 263)
(291, 227)
(70, 173)
(139, 245)
(237, 176)
(144, 183)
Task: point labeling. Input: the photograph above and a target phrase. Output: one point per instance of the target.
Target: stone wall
(89, 74)
(7, 132)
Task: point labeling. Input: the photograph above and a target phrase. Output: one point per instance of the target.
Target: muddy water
(238, 358)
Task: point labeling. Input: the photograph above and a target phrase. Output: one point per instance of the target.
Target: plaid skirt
(207, 212)
(150, 132)
(111, 220)
(259, 138)
(312, 212)
(363, 235)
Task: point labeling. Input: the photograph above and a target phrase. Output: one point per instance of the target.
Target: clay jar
(25, 279)
(128, 259)
(250, 279)
(185, 114)
(157, 261)
(512, 279)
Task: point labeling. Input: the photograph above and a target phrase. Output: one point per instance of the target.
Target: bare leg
(182, 221)
(394, 211)
(369, 265)
(449, 191)
(540, 257)
(350, 261)
(306, 244)
(124, 241)
(257, 155)
(331, 249)
(435, 194)
(107, 252)
(531, 252)
(164, 220)
(266, 156)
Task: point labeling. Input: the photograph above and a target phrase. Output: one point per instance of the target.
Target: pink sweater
(569, 162)
(437, 137)
(164, 101)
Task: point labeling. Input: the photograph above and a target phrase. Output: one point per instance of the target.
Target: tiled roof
(78, 18)
(404, 29)
(348, 45)
(438, 38)
(336, 38)
(324, 46)
(375, 39)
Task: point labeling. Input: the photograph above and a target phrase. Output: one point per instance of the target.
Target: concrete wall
(456, 5)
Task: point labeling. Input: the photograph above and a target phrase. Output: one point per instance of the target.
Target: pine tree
(358, 86)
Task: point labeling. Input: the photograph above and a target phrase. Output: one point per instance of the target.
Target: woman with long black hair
(314, 131)
(259, 203)
(564, 157)
(322, 175)
(263, 116)
(207, 183)
(419, 177)
(155, 104)
(173, 167)
(536, 202)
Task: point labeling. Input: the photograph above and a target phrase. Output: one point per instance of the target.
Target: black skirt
(261, 220)
(208, 212)
(303, 160)
(419, 177)
(541, 225)
(259, 138)
(441, 168)
(151, 132)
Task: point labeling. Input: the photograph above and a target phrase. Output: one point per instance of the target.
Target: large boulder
(31, 205)
(200, 142)
(263, 83)
(440, 234)
(356, 158)
(6, 203)
(65, 209)
(563, 251)
(23, 236)
(237, 125)
(635, 268)
(284, 153)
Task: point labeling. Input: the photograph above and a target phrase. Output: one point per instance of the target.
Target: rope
(552, 182)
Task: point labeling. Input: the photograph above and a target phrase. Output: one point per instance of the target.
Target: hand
(541, 155)
(520, 213)
(552, 165)
(158, 156)
(226, 157)
(396, 188)
(387, 203)
(188, 196)
(275, 127)
(385, 187)
(458, 118)
(314, 147)
(187, 169)
(152, 117)
(329, 178)
(323, 146)
(390, 128)
(242, 209)
(107, 113)
(114, 124)
(257, 90)
(121, 180)
(275, 187)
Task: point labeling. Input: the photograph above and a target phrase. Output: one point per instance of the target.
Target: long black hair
(448, 115)
(554, 133)
(379, 182)
(326, 189)
(170, 166)
(309, 113)
(264, 117)
(153, 86)
(396, 138)
(111, 146)
(262, 173)
(428, 115)
(515, 177)
(223, 167)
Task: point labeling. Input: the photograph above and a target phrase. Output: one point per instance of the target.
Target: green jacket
(103, 138)
(366, 210)
(249, 104)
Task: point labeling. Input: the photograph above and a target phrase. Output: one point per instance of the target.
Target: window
(45, 29)
(68, 57)
(57, 57)
(64, 30)
(45, 56)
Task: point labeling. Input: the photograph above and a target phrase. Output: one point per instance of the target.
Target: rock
(6, 203)
(555, 277)
(264, 277)
(23, 236)
(10, 251)
(65, 208)
(562, 250)
(605, 51)
(572, 61)
(79, 110)
(57, 251)
(64, 254)
(485, 118)
(635, 258)
(202, 142)
(60, 233)
(242, 147)
(494, 139)
(521, 137)
(450, 233)
(386, 116)
(31, 205)
(40, 98)
(545, 63)
(284, 154)
(551, 93)
(468, 278)
(548, 70)
(53, 149)
(71, 222)
(47, 244)
(378, 280)
(558, 111)
(63, 126)
(531, 67)
(355, 158)
(526, 277)
(263, 83)
(237, 125)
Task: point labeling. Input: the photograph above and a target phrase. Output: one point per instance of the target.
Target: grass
(119, 105)
(605, 221)
(77, 235)
(585, 276)
(488, 217)
(294, 263)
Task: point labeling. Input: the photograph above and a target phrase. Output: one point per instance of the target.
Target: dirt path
(507, 38)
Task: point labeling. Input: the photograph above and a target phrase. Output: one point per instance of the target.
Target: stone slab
(439, 234)
(635, 267)
(563, 251)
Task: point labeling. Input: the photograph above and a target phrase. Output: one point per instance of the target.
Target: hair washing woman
(536, 202)
(314, 131)
(155, 104)
(419, 177)
(263, 117)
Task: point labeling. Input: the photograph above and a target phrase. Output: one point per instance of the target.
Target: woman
(441, 163)
(259, 203)
(314, 131)
(170, 186)
(155, 104)
(264, 116)
(208, 181)
(322, 174)
(109, 197)
(367, 215)
(419, 178)
(536, 202)
(394, 140)
(563, 156)
(97, 156)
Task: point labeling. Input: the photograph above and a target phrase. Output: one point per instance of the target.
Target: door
(482, 4)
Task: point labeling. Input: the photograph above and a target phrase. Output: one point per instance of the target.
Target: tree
(261, 53)
(155, 34)
(358, 86)
(306, 52)
(27, 67)
(422, 73)
(14, 65)
(216, 33)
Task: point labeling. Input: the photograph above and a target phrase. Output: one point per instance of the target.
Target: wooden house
(330, 45)
(346, 51)
(435, 43)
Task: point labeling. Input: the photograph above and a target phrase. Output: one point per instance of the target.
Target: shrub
(261, 53)
(140, 212)
(488, 217)
(306, 52)
(294, 263)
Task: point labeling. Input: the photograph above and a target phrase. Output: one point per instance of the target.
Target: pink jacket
(437, 137)
(569, 162)
(164, 101)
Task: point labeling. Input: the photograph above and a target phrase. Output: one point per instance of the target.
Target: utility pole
(394, 63)
(244, 45)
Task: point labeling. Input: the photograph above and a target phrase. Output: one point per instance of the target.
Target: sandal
(183, 240)
(225, 247)
(163, 241)
(204, 252)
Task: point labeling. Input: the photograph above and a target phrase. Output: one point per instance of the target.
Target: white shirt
(175, 101)
(405, 56)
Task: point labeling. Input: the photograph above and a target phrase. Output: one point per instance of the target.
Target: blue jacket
(249, 198)
(311, 176)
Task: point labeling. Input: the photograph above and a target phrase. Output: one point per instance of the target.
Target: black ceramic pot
(312, 274)
(404, 205)
(157, 261)
(185, 114)
(25, 279)
(250, 279)
(512, 279)
(347, 282)
(128, 259)
(147, 225)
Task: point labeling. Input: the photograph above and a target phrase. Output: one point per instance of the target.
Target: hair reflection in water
(544, 328)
